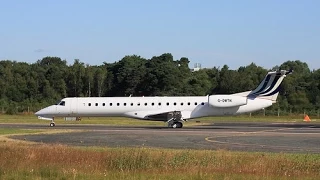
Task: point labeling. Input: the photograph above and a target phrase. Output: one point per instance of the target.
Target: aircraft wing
(157, 115)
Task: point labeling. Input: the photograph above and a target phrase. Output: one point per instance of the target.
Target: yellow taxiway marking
(6, 137)
(213, 139)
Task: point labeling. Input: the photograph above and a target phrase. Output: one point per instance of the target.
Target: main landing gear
(175, 124)
(175, 120)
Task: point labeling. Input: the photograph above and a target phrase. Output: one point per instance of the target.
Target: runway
(253, 137)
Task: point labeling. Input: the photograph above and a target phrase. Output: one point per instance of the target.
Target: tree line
(28, 87)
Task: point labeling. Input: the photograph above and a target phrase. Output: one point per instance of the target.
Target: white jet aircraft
(173, 110)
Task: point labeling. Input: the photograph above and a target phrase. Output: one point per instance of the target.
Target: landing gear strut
(174, 120)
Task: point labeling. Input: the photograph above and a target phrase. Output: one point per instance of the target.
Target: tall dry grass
(63, 162)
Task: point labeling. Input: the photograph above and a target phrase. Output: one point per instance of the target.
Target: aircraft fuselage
(140, 107)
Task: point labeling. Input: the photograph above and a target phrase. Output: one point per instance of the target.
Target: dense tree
(99, 80)
(250, 76)
(27, 87)
(198, 84)
(76, 79)
(229, 81)
(162, 76)
(129, 73)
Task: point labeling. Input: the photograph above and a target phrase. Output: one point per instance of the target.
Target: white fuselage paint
(140, 107)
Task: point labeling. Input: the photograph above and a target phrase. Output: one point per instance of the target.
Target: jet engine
(226, 100)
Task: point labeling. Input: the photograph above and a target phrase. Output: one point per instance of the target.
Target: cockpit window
(62, 103)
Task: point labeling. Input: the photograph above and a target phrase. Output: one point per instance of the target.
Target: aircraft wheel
(52, 124)
(175, 124)
(179, 124)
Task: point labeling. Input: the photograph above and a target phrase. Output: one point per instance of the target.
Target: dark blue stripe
(274, 92)
(271, 87)
(265, 83)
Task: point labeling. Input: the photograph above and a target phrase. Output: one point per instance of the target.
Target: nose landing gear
(52, 124)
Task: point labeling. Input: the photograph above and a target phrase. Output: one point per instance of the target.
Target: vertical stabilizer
(270, 85)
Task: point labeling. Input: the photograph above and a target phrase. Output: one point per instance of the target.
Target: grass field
(20, 161)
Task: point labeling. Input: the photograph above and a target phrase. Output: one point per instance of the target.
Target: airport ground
(201, 150)
(251, 137)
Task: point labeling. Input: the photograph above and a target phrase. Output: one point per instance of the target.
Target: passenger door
(73, 106)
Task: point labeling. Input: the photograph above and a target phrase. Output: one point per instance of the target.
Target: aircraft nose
(39, 113)
(44, 112)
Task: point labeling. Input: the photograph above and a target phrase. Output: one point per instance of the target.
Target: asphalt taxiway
(260, 137)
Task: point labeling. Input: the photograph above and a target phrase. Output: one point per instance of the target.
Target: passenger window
(124, 104)
(110, 104)
(89, 104)
(131, 104)
(152, 104)
(202, 103)
(181, 104)
(118, 104)
(188, 103)
(138, 104)
(145, 104)
(96, 104)
(195, 103)
(175, 103)
(167, 104)
(103, 104)
(159, 103)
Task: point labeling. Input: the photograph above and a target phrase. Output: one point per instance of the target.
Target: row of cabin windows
(152, 104)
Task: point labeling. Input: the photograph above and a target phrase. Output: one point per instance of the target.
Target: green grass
(85, 120)
(63, 162)
(128, 121)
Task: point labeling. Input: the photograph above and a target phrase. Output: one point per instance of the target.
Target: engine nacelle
(226, 100)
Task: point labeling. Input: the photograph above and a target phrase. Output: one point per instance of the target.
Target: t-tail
(270, 86)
